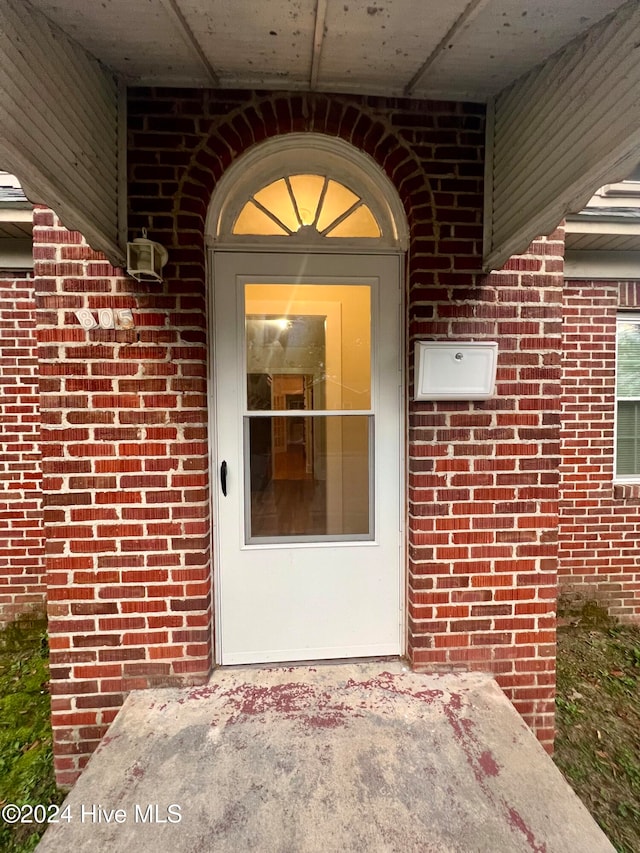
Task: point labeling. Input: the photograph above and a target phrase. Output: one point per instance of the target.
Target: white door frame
(214, 462)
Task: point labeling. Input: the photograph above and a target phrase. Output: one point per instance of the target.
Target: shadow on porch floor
(348, 757)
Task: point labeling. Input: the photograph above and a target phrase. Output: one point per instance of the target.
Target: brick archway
(369, 129)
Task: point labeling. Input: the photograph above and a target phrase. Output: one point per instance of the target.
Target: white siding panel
(60, 125)
(614, 266)
(16, 254)
(564, 129)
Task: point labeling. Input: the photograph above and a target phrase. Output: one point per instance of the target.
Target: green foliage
(26, 762)
(598, 721)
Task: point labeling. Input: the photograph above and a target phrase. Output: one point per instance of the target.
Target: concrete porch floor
(348, 757)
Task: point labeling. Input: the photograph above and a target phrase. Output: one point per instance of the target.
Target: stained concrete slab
(354, 757)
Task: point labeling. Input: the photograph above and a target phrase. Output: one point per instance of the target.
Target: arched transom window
(306, 189)
(315, 204)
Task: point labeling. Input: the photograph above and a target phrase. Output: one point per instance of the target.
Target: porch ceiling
(458, 50)
(560, 81)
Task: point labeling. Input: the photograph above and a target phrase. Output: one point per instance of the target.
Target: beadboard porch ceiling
(456, 50)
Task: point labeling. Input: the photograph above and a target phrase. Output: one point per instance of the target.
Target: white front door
(307, 360)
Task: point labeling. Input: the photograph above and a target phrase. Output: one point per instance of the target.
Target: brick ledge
(626, 491)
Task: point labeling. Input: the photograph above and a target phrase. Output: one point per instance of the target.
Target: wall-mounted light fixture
(145, 259)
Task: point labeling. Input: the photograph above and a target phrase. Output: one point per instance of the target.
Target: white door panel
(307, 372)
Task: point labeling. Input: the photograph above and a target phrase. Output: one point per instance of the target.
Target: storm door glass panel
(309, 477)
(322, 332)
(308, 423)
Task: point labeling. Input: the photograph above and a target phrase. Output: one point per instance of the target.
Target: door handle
(223, 478)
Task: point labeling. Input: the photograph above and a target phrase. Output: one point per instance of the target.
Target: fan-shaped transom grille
(310, 204)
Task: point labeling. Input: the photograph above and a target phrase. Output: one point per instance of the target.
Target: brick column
(124, 442)
(483, 510)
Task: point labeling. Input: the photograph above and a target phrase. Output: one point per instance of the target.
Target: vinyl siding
(567, 127)
(59, 130)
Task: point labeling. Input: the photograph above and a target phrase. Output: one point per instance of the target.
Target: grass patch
(26, 762)
(598, 721)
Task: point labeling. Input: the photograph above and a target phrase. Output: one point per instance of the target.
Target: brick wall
(125, 414)
(599, 557)
(124, 449)
(22, 582)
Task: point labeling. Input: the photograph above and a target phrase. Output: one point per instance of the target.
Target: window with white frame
(628, 398)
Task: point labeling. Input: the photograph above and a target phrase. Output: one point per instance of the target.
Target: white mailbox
(446, 370)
